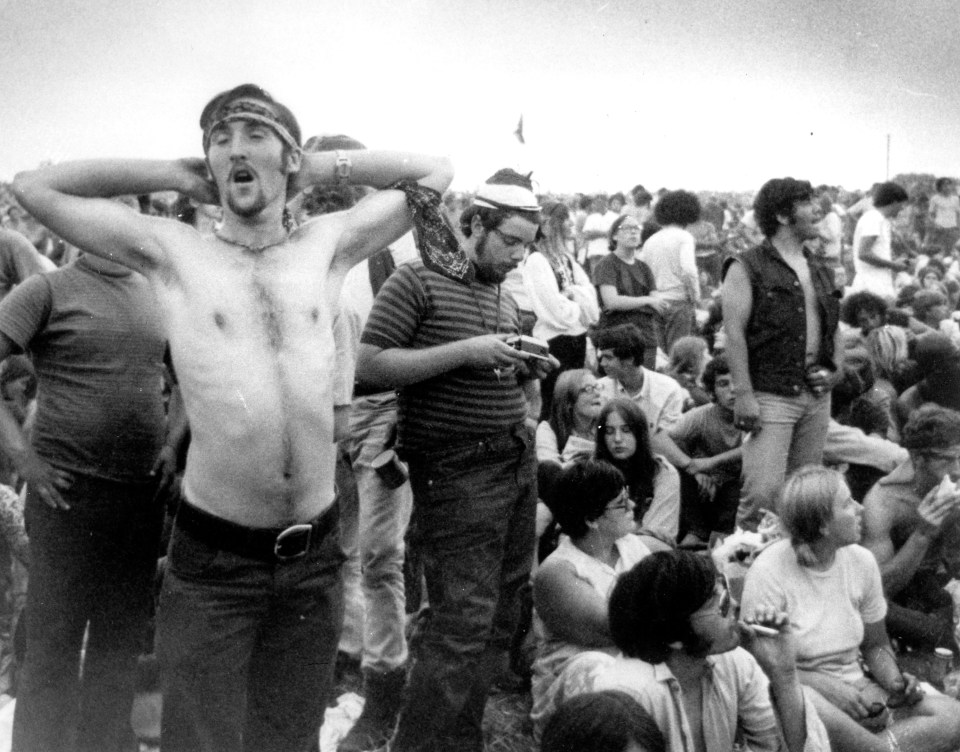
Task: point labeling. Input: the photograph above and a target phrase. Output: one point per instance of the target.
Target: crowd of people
(255, 426)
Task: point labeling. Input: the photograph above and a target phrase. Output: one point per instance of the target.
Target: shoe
(383, 693)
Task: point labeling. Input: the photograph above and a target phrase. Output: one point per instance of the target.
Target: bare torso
(811, 310)
(251, 339)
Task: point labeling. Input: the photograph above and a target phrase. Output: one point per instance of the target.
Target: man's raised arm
(70, 199)
(382, 217)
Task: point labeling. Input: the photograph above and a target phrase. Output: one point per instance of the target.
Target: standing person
(561, 296)
(373, 512)
(944, 216)
(251, 606)
(671, 255)
(92, 511)
(780, 311)
(874, 267)
(626, 286)
(595, 230)
(472, 462)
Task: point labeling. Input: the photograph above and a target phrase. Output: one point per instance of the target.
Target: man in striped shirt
(442, 342)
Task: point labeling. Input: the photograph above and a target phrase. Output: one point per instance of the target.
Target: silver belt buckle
(293, 542)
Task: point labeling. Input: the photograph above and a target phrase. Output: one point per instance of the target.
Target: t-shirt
(417, 309)
(827, 609)
(97, 345)
(876, 279)
(635, 280)
(602, 222)
(702, 432)
(944, 210)
(19, 260)
(671, 255)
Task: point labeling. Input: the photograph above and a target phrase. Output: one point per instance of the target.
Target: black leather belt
(263, 543)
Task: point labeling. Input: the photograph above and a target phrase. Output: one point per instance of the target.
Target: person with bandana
(251, 606)
(472, 459)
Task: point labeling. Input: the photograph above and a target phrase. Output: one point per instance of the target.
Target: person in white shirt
(872, 252)
(944, 216)
(596, 228)
(671, 255)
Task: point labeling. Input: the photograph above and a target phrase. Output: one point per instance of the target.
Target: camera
(538, 348)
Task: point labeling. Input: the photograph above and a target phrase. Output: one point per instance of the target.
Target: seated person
(620, 352)
(864, 310)
(706, 449)
(938, 369)
(830, 587)
(571, 586)
(914, 532)
(608, 721)
(688, 358)
(681, 659)
(654, 484)
(570, 432)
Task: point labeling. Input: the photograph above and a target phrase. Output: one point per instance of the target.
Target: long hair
(640, 470)
(566, 392)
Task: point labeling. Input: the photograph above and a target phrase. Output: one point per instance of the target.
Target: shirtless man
(251, 607)
(780, 312)
(912, 526)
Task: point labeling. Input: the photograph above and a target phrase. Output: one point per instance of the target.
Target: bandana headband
(510, 197)
(244, 110)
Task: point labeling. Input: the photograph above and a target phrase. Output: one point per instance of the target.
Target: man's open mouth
(242, 175)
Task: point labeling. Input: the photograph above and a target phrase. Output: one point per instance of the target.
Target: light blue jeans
(792, 433)
(373, 519)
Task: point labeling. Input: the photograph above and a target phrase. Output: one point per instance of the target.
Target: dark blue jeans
(246, 647)
(93, 565)
(473, 526)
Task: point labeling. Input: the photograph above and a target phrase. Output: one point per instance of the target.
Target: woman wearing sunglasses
(830, 586)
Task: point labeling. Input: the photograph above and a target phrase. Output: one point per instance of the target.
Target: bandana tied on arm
(436, 240)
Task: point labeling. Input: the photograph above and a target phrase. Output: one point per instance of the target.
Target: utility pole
(888, 157)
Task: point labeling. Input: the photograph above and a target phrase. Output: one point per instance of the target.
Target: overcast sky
(697, 94)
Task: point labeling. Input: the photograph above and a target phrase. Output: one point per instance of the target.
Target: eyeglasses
(510, 241)
(621, 503)
(590, 389)
(628, 228)
(723, 604)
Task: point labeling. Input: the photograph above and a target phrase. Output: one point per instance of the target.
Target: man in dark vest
(780, 308)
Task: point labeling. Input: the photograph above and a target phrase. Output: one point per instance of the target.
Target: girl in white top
(830, 587)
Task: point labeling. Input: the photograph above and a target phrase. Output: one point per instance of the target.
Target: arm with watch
(382, 216)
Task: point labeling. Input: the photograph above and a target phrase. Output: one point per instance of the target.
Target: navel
(315, 315)
(219, 320)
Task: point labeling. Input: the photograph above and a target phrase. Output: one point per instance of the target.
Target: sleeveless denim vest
(777, 330)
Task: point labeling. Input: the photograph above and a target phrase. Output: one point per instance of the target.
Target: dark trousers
(473, 527)
(91, 568)
(704, 516)
(247, 647)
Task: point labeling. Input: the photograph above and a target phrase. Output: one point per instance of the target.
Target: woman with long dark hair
(623, 440)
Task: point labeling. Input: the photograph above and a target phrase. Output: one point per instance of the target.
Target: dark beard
(485, 272)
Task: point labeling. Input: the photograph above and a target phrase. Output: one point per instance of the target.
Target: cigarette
(762, 630)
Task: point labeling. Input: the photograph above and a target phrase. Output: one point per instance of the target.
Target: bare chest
(273, 298)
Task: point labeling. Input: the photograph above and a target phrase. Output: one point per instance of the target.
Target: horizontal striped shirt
(418, 309)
